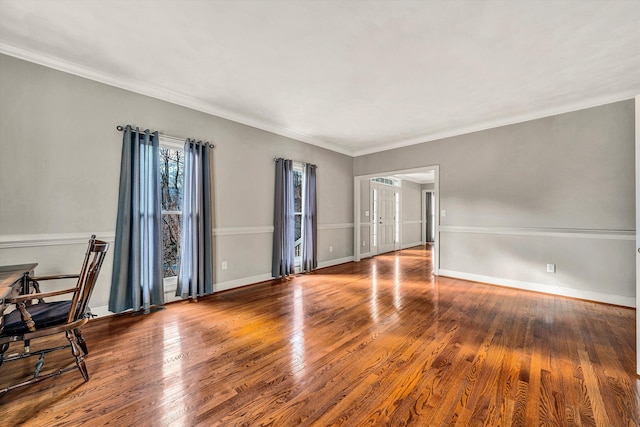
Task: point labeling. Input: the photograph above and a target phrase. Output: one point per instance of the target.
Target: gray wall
(411, 212)
(508, 190)
(60, 163)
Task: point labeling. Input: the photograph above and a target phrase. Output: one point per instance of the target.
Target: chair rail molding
(584, 233)
(336, 226)
(10, 241)
(262, 229)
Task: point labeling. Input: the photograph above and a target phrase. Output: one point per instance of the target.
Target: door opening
(372, 228)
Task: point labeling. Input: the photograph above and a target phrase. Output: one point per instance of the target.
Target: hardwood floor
(378, 342)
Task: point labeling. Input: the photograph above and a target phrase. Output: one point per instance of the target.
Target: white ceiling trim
(476, 127)
(156, 92)
(152, 91)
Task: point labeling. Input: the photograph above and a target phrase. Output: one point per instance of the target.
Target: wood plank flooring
(378, 342)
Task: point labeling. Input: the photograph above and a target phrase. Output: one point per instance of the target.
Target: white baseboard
(547, 289)
(333, 262)
(231, 284)
(101, 311)
(244, 281)
(410, 245)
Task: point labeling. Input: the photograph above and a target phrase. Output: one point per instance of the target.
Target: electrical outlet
(551, 268)
(443, 212)
(224, 265)
(330, 248)
(364, 243)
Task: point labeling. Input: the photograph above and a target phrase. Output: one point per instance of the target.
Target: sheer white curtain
(195, 277)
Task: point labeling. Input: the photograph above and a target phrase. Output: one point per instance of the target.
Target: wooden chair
(32, 320)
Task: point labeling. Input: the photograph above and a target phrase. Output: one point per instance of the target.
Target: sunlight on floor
(397, 297)
(374, 293)
(175, 395)
(297, 335)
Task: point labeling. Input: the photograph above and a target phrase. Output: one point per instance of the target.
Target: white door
(386, 218)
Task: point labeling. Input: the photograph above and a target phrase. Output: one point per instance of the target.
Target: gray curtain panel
(429, 226)
(309, 223)
(283, 262)
(195, 277)
(137, 255)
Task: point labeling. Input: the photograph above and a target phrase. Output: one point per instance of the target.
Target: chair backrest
(93, 259)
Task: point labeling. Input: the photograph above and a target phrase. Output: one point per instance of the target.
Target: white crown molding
(491, 124)
(548, 232)
(10, 241)
(146, 89)
(153, 91)
(547, 289)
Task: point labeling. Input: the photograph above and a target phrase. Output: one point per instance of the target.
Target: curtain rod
(176, 138)
(275, 159)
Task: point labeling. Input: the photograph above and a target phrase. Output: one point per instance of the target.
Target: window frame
(299, 167)
(170, 284)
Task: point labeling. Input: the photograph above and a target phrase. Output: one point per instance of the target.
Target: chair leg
(3, 349)
(81, 343)
(82, 367)
(39, 365)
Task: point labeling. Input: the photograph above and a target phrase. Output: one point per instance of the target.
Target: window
(298, 203)
(388, 181)
(171, 182)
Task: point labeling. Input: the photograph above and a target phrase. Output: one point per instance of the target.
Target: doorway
(367, 231)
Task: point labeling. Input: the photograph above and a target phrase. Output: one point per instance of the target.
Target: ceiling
(353, 76)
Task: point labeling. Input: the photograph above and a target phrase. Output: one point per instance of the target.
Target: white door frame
(357, 208)
(637, 234)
